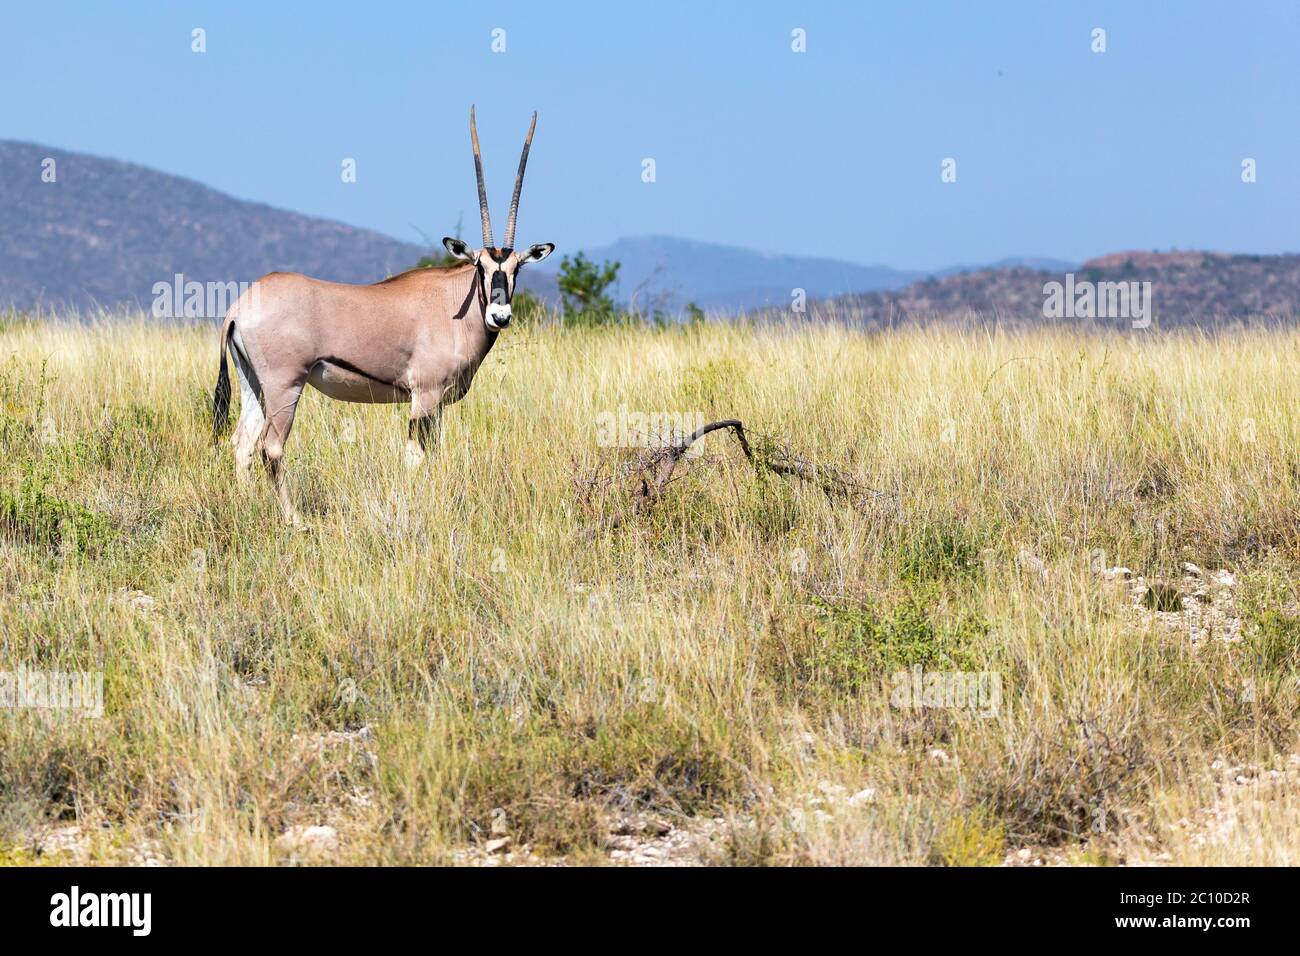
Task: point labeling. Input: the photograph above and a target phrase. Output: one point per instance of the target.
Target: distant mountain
(104, 232)
(662, 272)
(1040, 263)
(1187, 288)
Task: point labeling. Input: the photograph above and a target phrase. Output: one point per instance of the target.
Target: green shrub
(584, 289)
(938, 551)
(969, 839)
(858, 647)
(33, 514)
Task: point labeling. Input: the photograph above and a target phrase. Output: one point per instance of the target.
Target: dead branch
(653, 471)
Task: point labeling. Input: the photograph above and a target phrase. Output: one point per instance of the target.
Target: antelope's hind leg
(248, 430)
(281, 404)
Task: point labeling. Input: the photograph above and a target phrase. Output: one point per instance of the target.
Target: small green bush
(584, 288)
(857, 647)
(33, 514)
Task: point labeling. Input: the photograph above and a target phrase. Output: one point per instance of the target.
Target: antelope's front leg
(425, 427)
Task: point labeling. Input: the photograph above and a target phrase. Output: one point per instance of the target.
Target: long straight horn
(519, 185)
(482, 190)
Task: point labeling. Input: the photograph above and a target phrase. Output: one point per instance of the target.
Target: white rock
(1116, 574)
(314, 839)
(863, 796)
(1030, 562)
(1191, 569)
(137, 599)
(66, 839)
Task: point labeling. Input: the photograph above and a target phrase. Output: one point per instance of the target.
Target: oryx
(418, 337)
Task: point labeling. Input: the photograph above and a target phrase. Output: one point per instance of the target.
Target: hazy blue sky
(835, 152)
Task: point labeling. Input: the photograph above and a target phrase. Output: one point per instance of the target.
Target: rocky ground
(638, 839)
(1199, 605)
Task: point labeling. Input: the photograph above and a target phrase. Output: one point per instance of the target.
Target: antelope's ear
(459, 248)
(537, 253)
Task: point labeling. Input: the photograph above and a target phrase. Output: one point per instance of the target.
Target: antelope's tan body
(419, 336)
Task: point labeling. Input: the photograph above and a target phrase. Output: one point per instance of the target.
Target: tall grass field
(1059, 626)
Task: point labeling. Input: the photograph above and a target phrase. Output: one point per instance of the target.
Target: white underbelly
(348, 386)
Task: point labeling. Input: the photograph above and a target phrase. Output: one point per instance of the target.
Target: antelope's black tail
(221, 394)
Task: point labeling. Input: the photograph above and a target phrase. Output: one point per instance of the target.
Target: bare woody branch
(652, 472)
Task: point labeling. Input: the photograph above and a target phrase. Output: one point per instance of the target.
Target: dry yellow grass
(466, 641)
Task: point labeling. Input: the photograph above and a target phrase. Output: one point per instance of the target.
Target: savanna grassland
(482, 648)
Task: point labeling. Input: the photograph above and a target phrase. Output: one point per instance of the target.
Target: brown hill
(1204, 289)
(105, 231)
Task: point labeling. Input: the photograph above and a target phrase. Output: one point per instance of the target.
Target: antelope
(419, 336)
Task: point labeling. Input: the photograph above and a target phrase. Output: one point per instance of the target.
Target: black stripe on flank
(349, 367)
